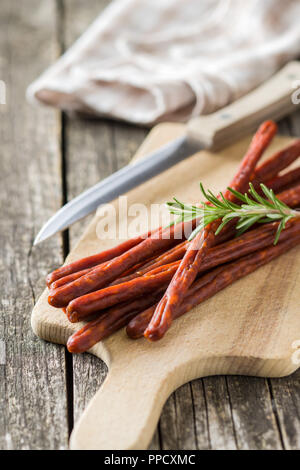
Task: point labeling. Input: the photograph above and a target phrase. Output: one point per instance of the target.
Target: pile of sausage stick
(148, 281)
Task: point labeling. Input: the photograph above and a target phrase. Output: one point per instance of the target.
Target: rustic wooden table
(46, 159)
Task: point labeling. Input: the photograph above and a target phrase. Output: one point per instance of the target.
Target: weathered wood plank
(254, 421)
(286, 403)
(177, 423)
(32, 373)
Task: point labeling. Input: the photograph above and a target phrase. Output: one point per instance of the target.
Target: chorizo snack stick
(85, 305)
(174, 254)
(138, 324)
(213, 282)
(278, 162)
(110, 321)
(69, 278)
(168, 257)
(94, 260)
(282, 181)
(137, 266)
(105, 273)
(259, 143)
(197, 250)
(291, 197)
(247, 243)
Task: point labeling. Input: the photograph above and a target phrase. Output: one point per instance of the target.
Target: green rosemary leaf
(279, 230)
(247, 222)
(254, 209)
(250, 202)
(274, 216)
(195, 232)
(258, 198)
(270, 195)
(223, 223)
(238, 195)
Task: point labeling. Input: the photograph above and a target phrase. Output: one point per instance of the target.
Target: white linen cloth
(147, 61)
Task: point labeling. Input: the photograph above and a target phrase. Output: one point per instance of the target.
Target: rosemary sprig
(255, 209)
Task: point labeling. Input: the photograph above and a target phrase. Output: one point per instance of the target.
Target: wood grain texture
(33, 399)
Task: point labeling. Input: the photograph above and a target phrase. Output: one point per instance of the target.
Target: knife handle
(271, 100)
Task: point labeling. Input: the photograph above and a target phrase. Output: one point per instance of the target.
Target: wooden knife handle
(271, 100)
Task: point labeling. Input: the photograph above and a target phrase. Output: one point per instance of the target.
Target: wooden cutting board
(250, 328)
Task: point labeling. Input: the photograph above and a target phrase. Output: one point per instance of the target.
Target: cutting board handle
(271, 100)
(124, 412)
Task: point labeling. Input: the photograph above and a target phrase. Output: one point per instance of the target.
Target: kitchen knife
(271, 100)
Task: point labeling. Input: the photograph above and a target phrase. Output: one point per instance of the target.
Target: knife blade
(117, 184)
(271, 100)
